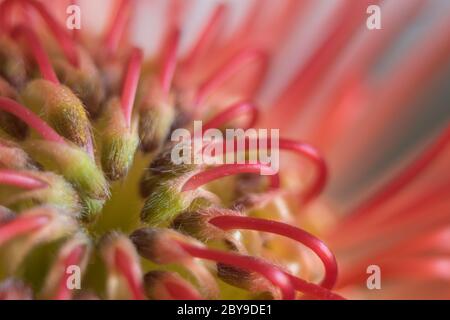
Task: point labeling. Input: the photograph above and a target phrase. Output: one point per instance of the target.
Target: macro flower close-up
(224, 150)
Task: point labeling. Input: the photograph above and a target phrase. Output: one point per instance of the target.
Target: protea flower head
(92, 204)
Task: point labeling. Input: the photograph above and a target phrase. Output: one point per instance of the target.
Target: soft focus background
(403, 132)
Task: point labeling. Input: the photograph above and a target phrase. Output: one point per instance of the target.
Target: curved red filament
(73, 258)
(20, 180)
(125, 266)
(317, 246)
(30, 119)
(130, 84)
(225, 170)
(39, 54)
(270, 272)
(233, 111)
(21, 226)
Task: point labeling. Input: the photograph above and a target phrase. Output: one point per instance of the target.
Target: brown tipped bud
(124, 271)
(13, 157)
(159, 245)
(163, 169)
(166, 285)
(195, 223)
(8, 122)
(56, 191)
(61, 109)
(246, 280)
(73, 164)
(14, 289)
(155, 121)
(119, 142)
(12, 63)
(167, 200)
(84, 80)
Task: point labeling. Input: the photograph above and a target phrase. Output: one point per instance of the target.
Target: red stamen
(130, 84)
(233, 111)
(169, 60)
(21, 226)
(20, 179)
(226, 71)
(68, 46)
(314, 290)
(73, 258)
(125, 266)
(312, 154)
(207, 36)
(270, 272)
(38, 51)
(31, 119)
(321, 168)
(225, 170)
(403, 178)
(117, 26)
(309, 76)
(5, 15)
(320, 249)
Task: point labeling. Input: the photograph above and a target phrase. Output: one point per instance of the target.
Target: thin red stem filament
(226, 71)
(130, 84)
(73, 258)
(233, 111)
(207, 36)
(225, 170)
(21, 226)
(321, 168)
(19, 179)
(38, 51)
(406, 176)
(124, 264)
(31, 119)
(169, 60)
(68, 46)
(323, 252)
(117, 26)
(271, 273)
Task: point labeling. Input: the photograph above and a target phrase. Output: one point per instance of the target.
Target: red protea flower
(93, 205)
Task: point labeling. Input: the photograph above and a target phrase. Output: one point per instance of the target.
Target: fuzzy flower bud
(155, 121)
(14, 157)
(12, 62)
(74, 252)
(167, 285)
(163, 169)
(75, 166)
(61, 108)
(85, 81)
(119, 142)
(54, 191)
(158, 245)
(33, 227)
(9, 123)
(167, 201)
(124, 271)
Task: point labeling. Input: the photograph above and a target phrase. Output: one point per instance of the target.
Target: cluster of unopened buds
(87, 183)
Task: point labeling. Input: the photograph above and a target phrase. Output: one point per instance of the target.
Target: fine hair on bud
(61, 108)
